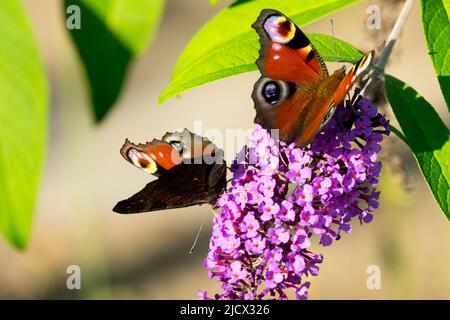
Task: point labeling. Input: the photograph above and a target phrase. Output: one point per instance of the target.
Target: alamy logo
(74, 279)
(374, 19)
(374, 280)
(74, 17)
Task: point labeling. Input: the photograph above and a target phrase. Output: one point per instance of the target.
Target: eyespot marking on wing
(141, 160)
(279, 29)
(269, 93)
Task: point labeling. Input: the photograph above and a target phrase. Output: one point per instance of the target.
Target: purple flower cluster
(281, 196)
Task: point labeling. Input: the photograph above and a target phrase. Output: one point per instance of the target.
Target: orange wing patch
(151, 156)
(296, 94)
(286, 115)
(286, 53)
(284, 63)
(350, 78)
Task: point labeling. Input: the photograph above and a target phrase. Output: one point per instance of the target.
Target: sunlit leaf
(427, 136)
(112, 33)
(227, 45)
(435, 19)
(447, 7)
(23, 116)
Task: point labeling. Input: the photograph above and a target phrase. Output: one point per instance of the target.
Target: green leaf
(111, 34)
(427, 136)
(447, 7)
(398, 133)
(227, 45)
(23, 116)
(333, 49)
(436, 25)
(236, 2)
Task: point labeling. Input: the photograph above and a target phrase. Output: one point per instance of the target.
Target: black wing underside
(183, 186)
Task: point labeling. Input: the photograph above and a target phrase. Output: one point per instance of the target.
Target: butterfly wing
(183, 186)
(286, 53)
(286, 112)
(355, 73)
(295, 94)
(193, 146)
(329, 94)
(159, 156)
(291, 68)
(155, 157)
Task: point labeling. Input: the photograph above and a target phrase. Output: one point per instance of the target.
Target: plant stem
(385, 54)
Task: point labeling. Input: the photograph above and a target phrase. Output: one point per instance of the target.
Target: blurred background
(146, 256)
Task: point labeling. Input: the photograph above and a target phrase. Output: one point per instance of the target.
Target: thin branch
(393, 37)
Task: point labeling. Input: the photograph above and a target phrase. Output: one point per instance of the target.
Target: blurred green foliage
(112, 34)
(426, 135)
(23, 129)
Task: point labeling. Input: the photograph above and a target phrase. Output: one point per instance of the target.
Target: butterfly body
(296, 94)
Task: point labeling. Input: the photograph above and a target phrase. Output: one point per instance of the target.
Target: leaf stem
(398, 133)
(385, 54)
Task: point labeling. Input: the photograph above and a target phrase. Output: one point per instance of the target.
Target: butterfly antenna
(382, 45)
(334, 39)
(198, 233)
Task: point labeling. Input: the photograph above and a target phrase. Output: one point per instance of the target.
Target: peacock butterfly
(190, 170)
(295, 93)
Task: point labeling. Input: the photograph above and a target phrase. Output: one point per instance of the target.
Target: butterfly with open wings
(295, 93)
